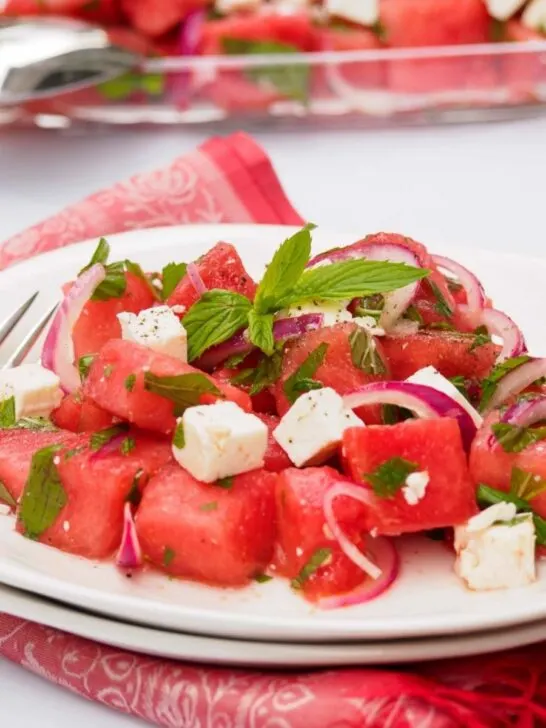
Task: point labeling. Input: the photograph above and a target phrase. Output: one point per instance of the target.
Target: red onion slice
(499, 324)
(475, 294)
(191, 32)
(425, 402)
(129, 555)
(525, 413)
(195, 279)
(58, 351)
(516, 381)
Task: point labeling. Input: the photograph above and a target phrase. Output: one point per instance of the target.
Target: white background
(482, 186)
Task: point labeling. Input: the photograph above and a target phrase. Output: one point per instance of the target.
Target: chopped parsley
(390, 476)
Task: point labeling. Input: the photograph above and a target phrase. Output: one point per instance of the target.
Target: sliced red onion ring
(425, 402)
(195, 279)
(129, 555)
(191, 32)
(58, 351)
(516, 381)
(525, 413)
(499, 324)
(397, 301)
(288, 328)
(475, 294)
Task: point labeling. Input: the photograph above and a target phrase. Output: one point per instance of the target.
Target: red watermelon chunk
(77, 413)
(97, 486)
(302, 532)
(16, 450)
(434, 447)
(275, 458)
(107, 384)
(156, 17)
(336, 371)
(219, 535)
(264, 401)
(450, 353)
(98, 322)
(220, 268)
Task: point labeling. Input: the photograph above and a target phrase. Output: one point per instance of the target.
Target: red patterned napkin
(232, 180)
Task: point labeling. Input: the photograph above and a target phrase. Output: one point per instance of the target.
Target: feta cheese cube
(157, 328)
(36, 390)
(496, 549)
(415, 488)
(364, 12)
(333, 312)
(503, 9)
(431, 377)
(313, 427)
(221, 440)
(534, 16)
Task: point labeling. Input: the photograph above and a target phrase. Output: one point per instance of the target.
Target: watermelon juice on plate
(197, 424)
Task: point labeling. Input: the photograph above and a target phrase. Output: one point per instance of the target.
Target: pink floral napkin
(232, 180)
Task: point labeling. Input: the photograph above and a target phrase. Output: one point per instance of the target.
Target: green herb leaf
(260, 329)
(441, 326)
(69, 454)
(514, 438)
(390, 476)
(290, 79)
(442, 306)
(460, 384)
(127, 445)
(37, 424)
(103, 437)
(212, 506)
(136, 270)
(317, 560)
(481, 337)
(266, 373)
(284, 271)
(123, 87)
(44, 496)
(526, 485)
(108, 371)
(168, 556)
(130, 382)
(185, 390)
(488, 496)
(171, 276)
(7, 413)
(114, 285)
(134, 495)
(179, 439)
(350, 279)
(214, 318)
(6, 497)
(364, 352)
(302, 379)
(412, 314)
(379, 30)
(84, 364)
(225, 483)
(262, 578)
(235, 360)
(490, 383)
(101, 255)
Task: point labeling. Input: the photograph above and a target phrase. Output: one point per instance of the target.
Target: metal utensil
(31, 334)
(42, 57)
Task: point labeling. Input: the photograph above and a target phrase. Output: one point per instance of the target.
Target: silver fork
(31, 336)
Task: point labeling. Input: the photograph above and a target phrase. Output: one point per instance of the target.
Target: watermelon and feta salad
(223, 430)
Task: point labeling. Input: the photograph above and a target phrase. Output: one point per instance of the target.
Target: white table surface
(478, 185)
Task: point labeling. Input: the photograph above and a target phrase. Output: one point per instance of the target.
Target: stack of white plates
(427, 614)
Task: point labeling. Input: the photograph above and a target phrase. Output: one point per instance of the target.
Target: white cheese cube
(496, 549)
(333, 312)
(221, 440)
(503, 9)
(431, 377)
(313, 427)
(157, 328)
(36, 390)
(364, 12)
(534, 16)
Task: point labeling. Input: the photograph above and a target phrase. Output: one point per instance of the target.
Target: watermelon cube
(97, 485)
(116, 382)
(220, 268)
(156, 17)
(221, 534)
(303, 536)
(433, 452)
(275, 458)
(77, 413)
(264, 401)
(293, 29)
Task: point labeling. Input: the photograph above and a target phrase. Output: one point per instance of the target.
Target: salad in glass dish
(223, 430)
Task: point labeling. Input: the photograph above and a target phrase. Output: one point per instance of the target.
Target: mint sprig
(44, 496)
(171, 276)
(184, 390)
(214, 318)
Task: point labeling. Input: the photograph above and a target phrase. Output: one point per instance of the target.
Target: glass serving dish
(328, 89)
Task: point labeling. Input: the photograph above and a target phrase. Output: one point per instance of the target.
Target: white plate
(427, 600)
(175, 645)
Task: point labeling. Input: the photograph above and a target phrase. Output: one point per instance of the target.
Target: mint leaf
(101, 255)
(44, 496)
(103, 437)
(390, 476)
(441, 306)
(481, 337)
(38, 424)
(235, 360)
(127, 446)
(488, 496)
(262, 578)
(490, 383)
(6, 496)
(184, 390)
(260, 330)
(526, 485)
(351, 279)
(134, 495)
(171, 276)
(179, 439)
(412, 314)
(122, 87)
(302, 379)
(7, 413)
(225, 483)
(130, 382)
(114, 285)
(459, 383)
(168, 556)
(84, 364)
(266, 373)
(212, 506)
(290, 79)
(364, 353)
(318, 559)
(214, 318)
(514, 438)
(136, 270)
(284, 271)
